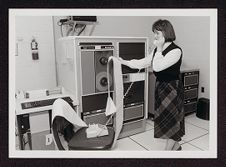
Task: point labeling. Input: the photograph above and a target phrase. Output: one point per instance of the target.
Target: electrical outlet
(49, 139)
(202, 89)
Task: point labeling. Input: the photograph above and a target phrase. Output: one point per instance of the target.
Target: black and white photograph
(113, 83)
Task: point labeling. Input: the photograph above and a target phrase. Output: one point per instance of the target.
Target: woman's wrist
(159, 49)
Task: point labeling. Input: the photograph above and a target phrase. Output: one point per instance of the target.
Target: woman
(166, 60)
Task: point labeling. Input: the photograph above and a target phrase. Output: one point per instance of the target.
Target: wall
(193, 36)
(35, 74)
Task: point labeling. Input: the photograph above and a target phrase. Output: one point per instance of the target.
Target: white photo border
(211, 153)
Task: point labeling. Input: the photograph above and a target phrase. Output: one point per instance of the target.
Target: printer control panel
(42, 103)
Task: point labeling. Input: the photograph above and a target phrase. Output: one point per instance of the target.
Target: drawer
(190, 93)
(95, 117)
(133, 113)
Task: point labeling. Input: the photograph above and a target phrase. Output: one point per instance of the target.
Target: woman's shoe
(176, 148)
(179, 148)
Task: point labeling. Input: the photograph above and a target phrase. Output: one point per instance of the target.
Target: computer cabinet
(190, 79)
(82, 71)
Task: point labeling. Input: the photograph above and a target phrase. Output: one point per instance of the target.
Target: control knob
(104, 81)
(103, 60)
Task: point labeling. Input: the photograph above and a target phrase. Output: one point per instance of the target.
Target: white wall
(35, 74)
(193, 36)
(123, 26)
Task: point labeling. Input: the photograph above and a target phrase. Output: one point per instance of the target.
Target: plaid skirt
(169, 110)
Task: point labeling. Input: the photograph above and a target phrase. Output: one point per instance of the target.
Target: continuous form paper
(63, 109)
(118, 96)
(110, 108)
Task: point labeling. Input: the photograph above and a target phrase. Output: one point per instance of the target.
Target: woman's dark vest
(172, 72)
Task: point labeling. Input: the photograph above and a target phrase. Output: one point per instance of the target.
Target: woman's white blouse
(160, 62)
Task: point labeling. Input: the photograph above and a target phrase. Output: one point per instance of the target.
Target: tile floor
(196, 138)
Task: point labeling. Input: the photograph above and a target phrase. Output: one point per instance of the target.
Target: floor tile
(127, 144)
(189, 147)
(202, 142)
(148, 126)
(151, 122)
(148, 141)
(192, 132)
(196, 138)
(192, 119)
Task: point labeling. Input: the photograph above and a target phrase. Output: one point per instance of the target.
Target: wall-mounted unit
(75, 25)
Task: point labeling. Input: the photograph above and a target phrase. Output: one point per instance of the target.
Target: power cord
(82, 29)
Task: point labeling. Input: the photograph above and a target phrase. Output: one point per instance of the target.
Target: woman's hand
(159, 44)
(125, 62)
